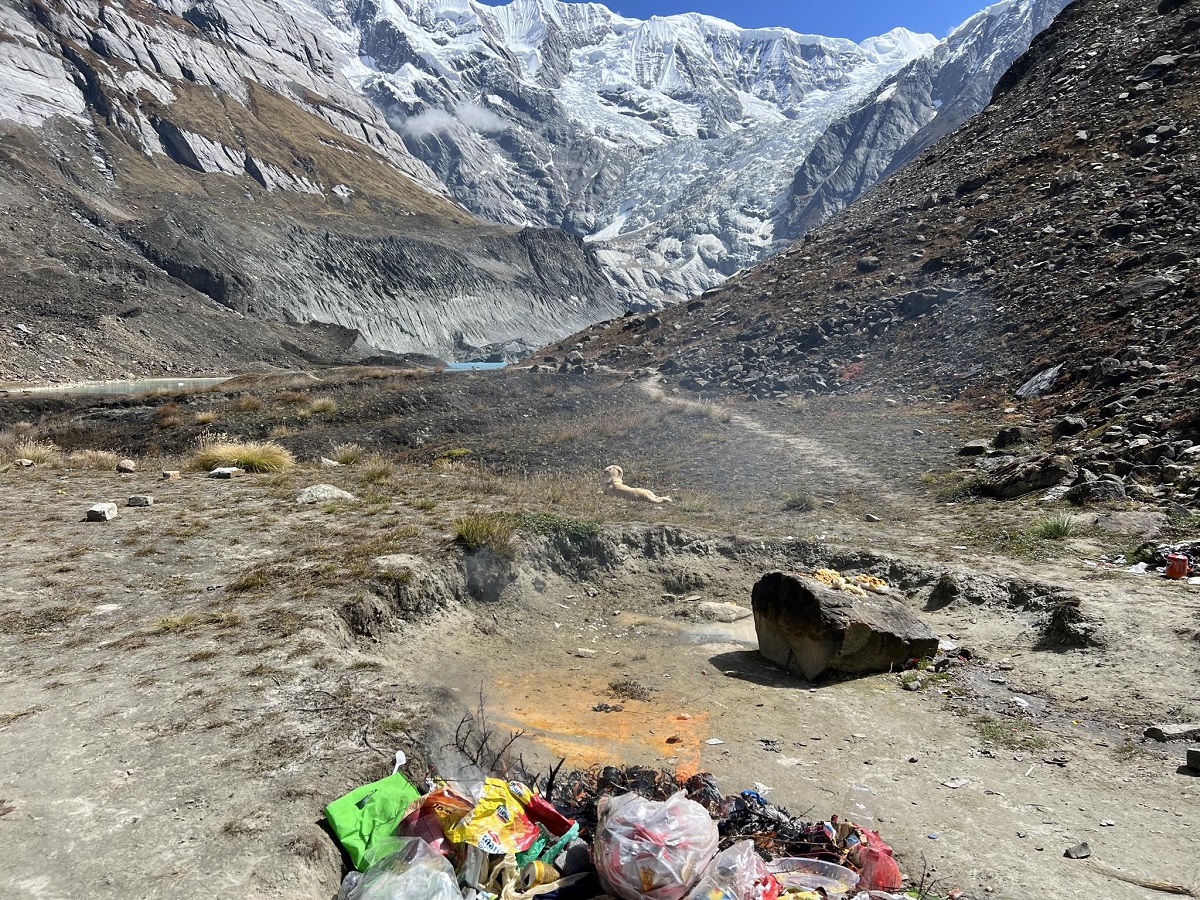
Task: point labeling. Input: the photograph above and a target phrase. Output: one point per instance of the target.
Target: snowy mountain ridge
(670, 143)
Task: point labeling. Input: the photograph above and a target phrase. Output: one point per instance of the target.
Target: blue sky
(856, 19)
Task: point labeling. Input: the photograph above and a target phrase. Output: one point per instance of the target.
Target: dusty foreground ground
(185, 686)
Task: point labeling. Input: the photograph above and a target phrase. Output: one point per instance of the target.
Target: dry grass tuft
(325, 406)
(247, 403)
(347, 454)
(93, 459)
(376, 468)
(43, 453)
(207, 416)
(253, 456)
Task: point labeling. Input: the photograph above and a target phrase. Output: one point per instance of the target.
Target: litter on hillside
(631, 833)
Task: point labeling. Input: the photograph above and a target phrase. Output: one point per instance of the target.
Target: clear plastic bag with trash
(403, 869)
(736, 873)
(650, 849)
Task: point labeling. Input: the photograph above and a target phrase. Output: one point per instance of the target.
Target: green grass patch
(491, 531)
(1010, 734)
(1057, 527)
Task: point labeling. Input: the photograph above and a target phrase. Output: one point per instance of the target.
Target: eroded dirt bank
(188, 684)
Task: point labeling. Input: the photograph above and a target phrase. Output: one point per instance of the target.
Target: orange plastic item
(1178, 565)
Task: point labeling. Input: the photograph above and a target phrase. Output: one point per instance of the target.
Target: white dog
(616, 485)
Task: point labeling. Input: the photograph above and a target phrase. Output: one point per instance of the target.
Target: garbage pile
(631, 833)
(1178, 561)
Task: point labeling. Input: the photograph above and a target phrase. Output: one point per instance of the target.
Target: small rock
(1068, 426)
(329, 463)
(102, 512)
(1079, 851)
(868, 264)
(977, 447)
(227, 472)
(23, 463)
(1107, 823)
(872, 518)
(323, 493)
(170, 475)
(674, 739)
(724, 612)
(1013, 435)
(955, 783)
(1173, 732)
(140, 500)
(584, 653)
(127, 467)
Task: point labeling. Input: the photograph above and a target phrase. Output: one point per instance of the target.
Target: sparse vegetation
(206, 416)
(169, 415)
(247, 403)
(1008, 733)
(492, 531)
(42, 453)
(799, 502)
(376, 467)
(323, 406)
(93, 459)
(1057, 527)
(253, 456)
(347, 454)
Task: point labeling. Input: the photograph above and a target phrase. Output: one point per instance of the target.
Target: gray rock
(1079, 851)
(808, 628)
(1174, 732)
(140, 500)
(977, 447)
(227, 472)
(869, 264)
(1026, 474)
(323, 493)
(1068, 426)
(24, 463)
(1041, 383)
(328, 463)
(102, 512)
(127, 466)
(723, 612)
(1102, 490)
(1013, 435)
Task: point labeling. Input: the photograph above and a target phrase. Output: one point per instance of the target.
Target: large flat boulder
(815, 631)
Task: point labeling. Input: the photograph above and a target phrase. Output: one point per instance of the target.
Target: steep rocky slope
(1053, 235)
(911, 111)
(214, 151)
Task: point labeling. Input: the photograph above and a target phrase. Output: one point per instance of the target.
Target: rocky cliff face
(217, 147)
(911, 111)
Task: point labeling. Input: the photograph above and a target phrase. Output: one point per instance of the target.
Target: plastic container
(1177, 565)
(810, 874)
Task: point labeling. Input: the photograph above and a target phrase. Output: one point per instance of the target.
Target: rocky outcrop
(815, 631)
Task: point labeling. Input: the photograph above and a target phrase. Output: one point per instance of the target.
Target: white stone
(323, 493)
(102, 512)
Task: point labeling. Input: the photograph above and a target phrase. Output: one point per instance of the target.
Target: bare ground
(187, 685)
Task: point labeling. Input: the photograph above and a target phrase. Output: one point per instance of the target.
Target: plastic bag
(651, 849)
(369, 813)
(736, 873)
(879, 868)
(498, 823)
(413, 871)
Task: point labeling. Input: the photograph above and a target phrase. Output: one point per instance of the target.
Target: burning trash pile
(628, 833)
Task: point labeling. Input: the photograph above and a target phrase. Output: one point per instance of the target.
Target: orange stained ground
(555, 710)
